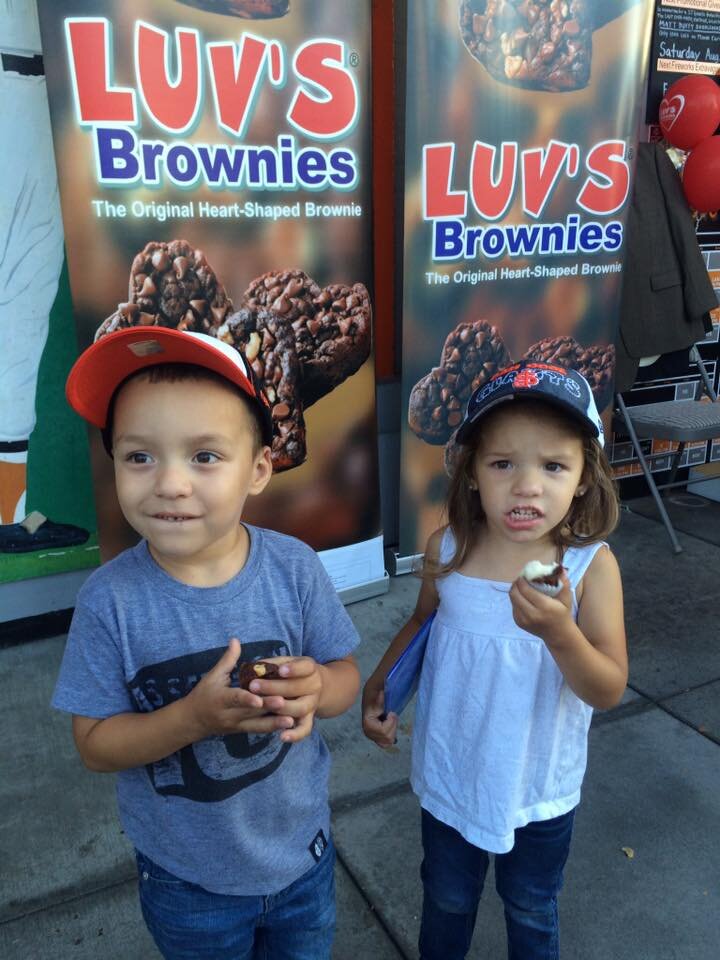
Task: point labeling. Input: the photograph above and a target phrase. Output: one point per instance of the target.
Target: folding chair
(680, 421)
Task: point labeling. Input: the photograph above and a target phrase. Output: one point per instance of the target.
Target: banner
(47, 518)
(214, 167)
(520, 124)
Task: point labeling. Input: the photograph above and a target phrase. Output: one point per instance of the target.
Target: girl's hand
(295, 695)
(538, 613)
(378, 727)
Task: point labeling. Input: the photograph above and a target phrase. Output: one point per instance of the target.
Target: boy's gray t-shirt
(241, 814)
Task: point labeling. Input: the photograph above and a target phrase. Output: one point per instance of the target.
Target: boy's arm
(592, 653)
(340, 685)
(213, 707)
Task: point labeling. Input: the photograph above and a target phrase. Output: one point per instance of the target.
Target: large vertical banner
(520, 124)
(47, 518)
(214, 166)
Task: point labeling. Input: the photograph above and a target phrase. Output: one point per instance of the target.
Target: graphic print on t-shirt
(218, 767)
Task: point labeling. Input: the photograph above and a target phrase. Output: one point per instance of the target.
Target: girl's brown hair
(590, 518)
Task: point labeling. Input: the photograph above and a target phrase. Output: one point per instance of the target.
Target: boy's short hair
(181, 373)
(102, 369)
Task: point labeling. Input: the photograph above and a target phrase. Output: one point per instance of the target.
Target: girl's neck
(494, 557)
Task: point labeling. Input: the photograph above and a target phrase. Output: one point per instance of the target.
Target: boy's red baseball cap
(102, 368)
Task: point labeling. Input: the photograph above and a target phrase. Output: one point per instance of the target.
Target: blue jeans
(190, 923)
(528, 878)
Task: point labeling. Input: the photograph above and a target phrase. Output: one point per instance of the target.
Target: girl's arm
(592, 653)
(384, 732)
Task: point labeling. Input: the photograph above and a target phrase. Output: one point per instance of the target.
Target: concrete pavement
(643, 880)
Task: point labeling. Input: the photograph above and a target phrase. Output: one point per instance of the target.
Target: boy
(222, 790)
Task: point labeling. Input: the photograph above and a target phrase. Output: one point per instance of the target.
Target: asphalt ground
(643, 879)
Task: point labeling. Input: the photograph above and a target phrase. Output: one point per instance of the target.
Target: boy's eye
(138, 457)
(204, 456)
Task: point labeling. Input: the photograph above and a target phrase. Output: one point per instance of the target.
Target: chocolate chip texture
(171, 285)
(472, 353)
(268, 342)
(537, 44)
(451, 455)
(248, 9)
(596, 363)
(332, 325)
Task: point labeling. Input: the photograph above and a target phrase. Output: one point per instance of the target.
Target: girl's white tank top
(500, 739)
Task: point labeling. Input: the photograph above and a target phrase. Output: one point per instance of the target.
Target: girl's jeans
(528, 879)
(190, 923)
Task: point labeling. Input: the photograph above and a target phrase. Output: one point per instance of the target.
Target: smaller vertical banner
(521, 121)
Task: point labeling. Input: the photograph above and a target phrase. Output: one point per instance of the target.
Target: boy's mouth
(173, 517)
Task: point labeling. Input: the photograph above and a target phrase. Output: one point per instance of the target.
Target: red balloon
(690, 111)
(701, 176)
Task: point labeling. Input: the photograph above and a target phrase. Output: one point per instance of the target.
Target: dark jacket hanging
(666, 292)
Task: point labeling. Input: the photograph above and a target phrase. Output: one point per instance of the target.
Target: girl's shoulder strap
(576, 560)
(447, 545)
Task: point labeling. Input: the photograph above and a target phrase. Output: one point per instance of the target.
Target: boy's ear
(262, 471)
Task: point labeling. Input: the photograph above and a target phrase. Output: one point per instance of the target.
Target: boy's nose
(172, 481)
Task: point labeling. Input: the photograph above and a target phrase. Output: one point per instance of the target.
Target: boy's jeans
(528, 879)
(190, 923)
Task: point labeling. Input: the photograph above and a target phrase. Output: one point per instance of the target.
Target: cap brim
(100, 370)
(465, 429)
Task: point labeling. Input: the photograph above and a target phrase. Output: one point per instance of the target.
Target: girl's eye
(500, 464)
(554, 467)
(204, 456)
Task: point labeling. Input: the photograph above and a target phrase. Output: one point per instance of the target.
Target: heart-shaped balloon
(690, 111)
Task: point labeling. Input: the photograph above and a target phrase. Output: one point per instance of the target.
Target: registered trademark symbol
(354, 60)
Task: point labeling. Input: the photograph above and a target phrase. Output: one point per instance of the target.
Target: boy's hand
(217, 708)
(383, 731)
(294, 697)
(538, 613)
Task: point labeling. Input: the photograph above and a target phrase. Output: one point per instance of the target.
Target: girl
(510, 674)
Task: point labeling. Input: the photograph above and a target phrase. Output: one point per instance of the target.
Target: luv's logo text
(498, 176)
(176, 76)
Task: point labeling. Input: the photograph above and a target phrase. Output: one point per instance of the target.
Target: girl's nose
(172, 481)
(527, 482)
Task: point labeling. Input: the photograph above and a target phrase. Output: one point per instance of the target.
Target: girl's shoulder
(577, 560)
(441, 545)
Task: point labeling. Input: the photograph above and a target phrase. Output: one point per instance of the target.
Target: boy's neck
(214, 567)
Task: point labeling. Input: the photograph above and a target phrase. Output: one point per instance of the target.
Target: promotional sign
(214, 175)
(520, 124)
(47, 518)
(686, 40)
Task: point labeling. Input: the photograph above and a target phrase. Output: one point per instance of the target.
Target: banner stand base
(397, 565)
(363, 591)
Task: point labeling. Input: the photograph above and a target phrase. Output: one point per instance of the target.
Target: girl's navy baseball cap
(102, 368)
(565, 389)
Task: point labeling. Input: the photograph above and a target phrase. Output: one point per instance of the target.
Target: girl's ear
(581, 490)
